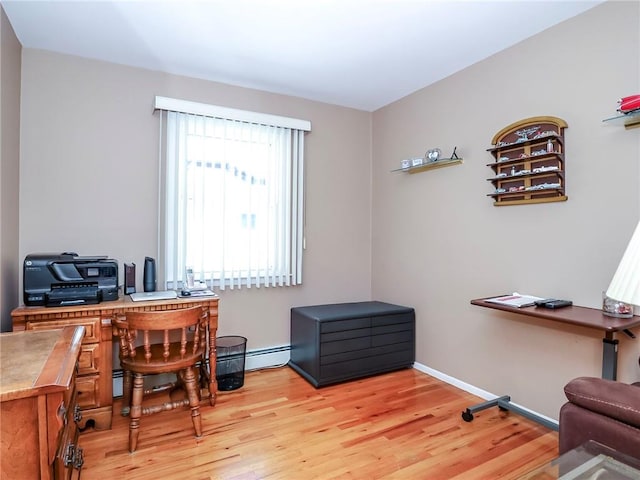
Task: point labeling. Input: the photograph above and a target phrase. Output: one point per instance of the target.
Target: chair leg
(136, 411)
(193, 393)
(126, 393)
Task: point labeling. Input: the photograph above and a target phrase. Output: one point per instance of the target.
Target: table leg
(609, 357)
(213, 383)
(504, 403)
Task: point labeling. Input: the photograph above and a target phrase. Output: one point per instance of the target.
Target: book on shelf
(516, 300)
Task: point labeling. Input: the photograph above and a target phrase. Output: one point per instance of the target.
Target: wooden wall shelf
(529, 164)
(443, 162)
(629, 120)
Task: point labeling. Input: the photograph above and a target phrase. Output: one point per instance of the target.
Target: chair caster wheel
(467, 416)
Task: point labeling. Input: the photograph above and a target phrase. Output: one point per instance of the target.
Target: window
(231, 196)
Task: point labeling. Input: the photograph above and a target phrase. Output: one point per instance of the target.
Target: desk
(583, 317)
(95, 366)
(38, 418)
(573, 315)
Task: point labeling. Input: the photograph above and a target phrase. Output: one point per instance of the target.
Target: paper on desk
(515, 300)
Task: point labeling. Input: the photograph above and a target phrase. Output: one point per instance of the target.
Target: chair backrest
(188, 324)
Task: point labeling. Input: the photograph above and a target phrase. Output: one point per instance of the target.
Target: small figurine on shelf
(629, 104)
(549, 146)
(434, 154)
(523, 135)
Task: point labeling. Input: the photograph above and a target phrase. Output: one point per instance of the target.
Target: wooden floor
(402, 425)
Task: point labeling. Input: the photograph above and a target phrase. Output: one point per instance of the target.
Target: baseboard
(478, 392)
(267, 357)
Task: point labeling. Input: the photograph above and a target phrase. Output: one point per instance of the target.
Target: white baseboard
(478, 392)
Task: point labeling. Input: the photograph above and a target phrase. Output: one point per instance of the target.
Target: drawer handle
(77, 414)
(74, 456)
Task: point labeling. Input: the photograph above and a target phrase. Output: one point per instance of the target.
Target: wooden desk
(583, 317)
(38, 418)
(95, 373)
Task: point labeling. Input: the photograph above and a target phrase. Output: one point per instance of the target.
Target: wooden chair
(183, 336)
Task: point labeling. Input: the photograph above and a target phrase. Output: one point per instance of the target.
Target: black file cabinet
(343, 341)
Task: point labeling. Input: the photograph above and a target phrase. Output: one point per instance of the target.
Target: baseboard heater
(254, 360)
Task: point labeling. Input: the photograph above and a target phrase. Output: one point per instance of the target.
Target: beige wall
(89, 180)
(439, 242)
(10, 51)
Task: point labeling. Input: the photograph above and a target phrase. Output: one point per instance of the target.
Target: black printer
(53, 279)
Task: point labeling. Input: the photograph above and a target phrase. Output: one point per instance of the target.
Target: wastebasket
(231, 353)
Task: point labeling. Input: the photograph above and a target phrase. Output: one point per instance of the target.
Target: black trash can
(231, 352)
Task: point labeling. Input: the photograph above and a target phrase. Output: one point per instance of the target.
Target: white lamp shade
(625, 285)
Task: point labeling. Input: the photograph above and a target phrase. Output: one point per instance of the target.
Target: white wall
(439, 242)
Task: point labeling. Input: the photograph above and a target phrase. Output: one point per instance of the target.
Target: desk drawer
(89, 361)
(88, 388)
(91, 326)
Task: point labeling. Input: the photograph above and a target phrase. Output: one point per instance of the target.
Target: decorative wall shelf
(443, 162)
(530, 162)
(629, 120)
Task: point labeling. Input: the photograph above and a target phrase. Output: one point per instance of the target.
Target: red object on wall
(629, 104)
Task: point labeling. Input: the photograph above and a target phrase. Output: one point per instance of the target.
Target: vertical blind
(231, 198)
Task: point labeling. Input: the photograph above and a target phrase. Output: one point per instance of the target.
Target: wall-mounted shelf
(530, 162)
(629, 120)
(443, 162)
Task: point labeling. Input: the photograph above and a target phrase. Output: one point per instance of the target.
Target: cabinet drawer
(89, 361)
(339, 325)
(345, 346)
(398, 319)
(396, 327)
(91, 327)
(364, 366)
(88, 388)
(404, 350)
(391, 338)
(344, 335)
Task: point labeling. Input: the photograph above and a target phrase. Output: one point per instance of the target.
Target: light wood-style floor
(401, 425)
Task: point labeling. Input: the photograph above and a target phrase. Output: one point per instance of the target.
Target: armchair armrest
(613, 399)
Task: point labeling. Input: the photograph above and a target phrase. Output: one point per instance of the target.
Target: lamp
(625, 285)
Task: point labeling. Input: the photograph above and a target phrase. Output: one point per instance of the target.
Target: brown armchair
(602, 410)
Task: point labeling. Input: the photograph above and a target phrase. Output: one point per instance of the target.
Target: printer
(53, 279)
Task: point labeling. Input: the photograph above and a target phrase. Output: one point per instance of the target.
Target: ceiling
(356, 53)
